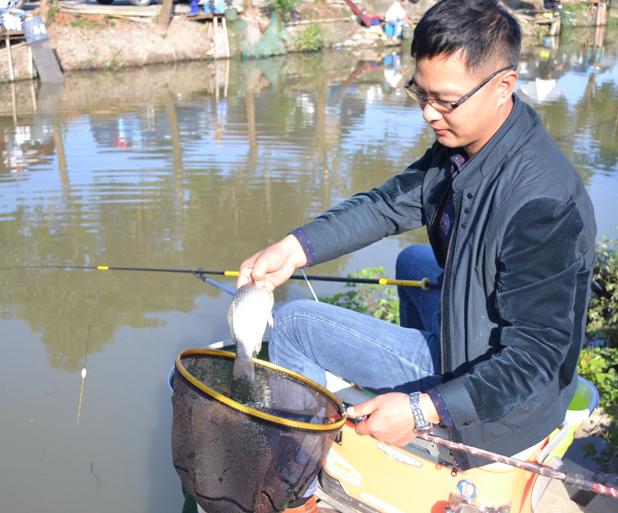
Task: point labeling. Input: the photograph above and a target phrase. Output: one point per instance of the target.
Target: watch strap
(420, 422)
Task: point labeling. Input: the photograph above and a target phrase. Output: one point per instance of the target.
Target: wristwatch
(420, 423)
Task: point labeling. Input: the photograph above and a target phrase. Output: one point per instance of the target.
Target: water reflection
(573, 84)
(199, 165)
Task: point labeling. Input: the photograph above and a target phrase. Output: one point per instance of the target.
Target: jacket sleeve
(535, 292)
(392, 208)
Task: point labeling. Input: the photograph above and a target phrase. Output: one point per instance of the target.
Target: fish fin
(270, 320)
(244, 369)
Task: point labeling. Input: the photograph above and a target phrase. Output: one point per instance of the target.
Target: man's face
(473, 122)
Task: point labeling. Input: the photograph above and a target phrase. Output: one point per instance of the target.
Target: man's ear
(506, 85)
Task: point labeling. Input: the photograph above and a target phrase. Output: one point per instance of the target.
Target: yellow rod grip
(231, 274)
(423, 284)
(102, 268)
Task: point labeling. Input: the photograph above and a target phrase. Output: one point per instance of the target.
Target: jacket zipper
(445, 281)
(444, 316)
(458, 459)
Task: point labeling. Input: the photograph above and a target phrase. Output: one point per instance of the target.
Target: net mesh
(232, 461)
(254, 44)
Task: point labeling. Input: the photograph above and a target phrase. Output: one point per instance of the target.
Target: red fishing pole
(544, 470)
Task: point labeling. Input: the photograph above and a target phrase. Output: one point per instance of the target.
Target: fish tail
(244, 368)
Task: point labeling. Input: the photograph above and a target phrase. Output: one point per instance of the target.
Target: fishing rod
(543, 470)
(200, 273)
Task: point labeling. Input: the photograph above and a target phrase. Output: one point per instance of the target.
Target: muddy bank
(89, 42)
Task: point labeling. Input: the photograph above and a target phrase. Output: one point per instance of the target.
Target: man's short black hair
(483, 30)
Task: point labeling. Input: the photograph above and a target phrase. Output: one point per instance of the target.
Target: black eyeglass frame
(422, 99)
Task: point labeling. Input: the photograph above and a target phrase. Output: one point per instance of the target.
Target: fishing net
(255, 45)
(248, 447)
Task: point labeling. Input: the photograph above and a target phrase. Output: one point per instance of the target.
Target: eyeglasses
(445, 106)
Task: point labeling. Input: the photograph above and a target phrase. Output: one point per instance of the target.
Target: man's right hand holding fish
(250, 310)
(274, 265)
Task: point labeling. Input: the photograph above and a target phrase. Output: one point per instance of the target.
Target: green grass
(312, 39)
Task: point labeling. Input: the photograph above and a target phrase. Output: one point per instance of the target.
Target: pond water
(200, 165)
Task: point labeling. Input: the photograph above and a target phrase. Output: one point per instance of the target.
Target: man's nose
(430, 114)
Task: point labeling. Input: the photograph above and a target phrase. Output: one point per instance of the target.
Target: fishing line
(309, 285)
(594, 125)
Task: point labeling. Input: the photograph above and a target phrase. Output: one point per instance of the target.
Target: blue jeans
(310, 337)
(418, 308)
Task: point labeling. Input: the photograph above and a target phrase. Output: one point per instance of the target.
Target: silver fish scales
(247, 317)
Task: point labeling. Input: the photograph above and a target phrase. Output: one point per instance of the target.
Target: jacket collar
(507, 139)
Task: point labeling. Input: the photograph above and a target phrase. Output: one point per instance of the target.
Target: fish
(247, 317)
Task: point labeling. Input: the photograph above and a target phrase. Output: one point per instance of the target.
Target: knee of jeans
(408, 259)
(284, 311)
(283, 330)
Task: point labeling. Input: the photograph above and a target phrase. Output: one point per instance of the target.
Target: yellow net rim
(252, 411)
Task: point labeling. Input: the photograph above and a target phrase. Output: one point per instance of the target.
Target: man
(512, 234)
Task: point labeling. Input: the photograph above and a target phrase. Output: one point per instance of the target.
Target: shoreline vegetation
(91, 36)
(598, 360)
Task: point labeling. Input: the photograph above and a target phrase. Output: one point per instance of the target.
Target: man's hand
(389, 417)
(274, 265)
